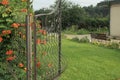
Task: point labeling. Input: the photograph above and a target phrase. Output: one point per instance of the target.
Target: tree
(83, 17)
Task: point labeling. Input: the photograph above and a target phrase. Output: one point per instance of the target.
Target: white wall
(115, 20)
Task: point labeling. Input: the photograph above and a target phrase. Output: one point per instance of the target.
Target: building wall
(115, 20)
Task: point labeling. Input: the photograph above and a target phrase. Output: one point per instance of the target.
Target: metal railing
(45, 41)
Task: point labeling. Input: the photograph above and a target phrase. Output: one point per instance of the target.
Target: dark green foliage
(9, 14)
(84, 40)
(75, 39)
(83, 31)
(90, 18)
(74, 30)
(113, 45)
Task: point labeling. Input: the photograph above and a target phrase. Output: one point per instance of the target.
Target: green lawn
(90, 62)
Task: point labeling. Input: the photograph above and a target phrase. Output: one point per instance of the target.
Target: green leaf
(2, 21)
(4, 15)
(9, 20)
(2, 26)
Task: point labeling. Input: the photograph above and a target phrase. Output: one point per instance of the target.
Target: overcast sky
(37, 4)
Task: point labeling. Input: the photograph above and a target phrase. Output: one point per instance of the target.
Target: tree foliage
(90, 17)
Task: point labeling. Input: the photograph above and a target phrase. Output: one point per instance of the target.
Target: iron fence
(44, 58)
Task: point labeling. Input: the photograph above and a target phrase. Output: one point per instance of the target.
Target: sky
(38, 4)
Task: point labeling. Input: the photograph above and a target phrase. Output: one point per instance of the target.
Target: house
(115, 19)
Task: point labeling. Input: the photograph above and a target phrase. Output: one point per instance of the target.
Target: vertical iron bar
(27, 45)
(59, 44)
(28, 48)
(35, 51)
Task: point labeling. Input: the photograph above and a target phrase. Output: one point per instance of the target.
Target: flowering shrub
(12, 44)
(108, 44)
(12, 39)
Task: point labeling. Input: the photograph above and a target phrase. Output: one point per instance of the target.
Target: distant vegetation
(91, 18)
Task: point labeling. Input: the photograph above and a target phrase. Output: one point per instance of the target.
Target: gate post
(29, 41)
(59, 37)
(35, 49)
(29, 48)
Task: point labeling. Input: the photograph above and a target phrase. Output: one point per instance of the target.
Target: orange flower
(15, 25)
(44, 32)
(1, 39)
(23, 10)
(21, 65)
(44, 42)
(40, 31)
(38, 64)
(6, 32)
(9, 52)
(5, 2)
(10, 58)
(50, 65)
(38, 41)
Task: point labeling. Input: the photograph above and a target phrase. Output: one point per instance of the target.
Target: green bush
(83, 31)
(101, 30)
(113, 45)
(68, 32)
(74, 30)
(84, 40)
(71, 30)
(75, 39)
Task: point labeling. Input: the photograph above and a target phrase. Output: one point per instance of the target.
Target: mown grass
(90, 62)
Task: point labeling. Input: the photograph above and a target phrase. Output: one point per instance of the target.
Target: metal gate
(44, 45)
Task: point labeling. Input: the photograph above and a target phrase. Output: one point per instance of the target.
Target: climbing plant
(12, 39)
(13, 49)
